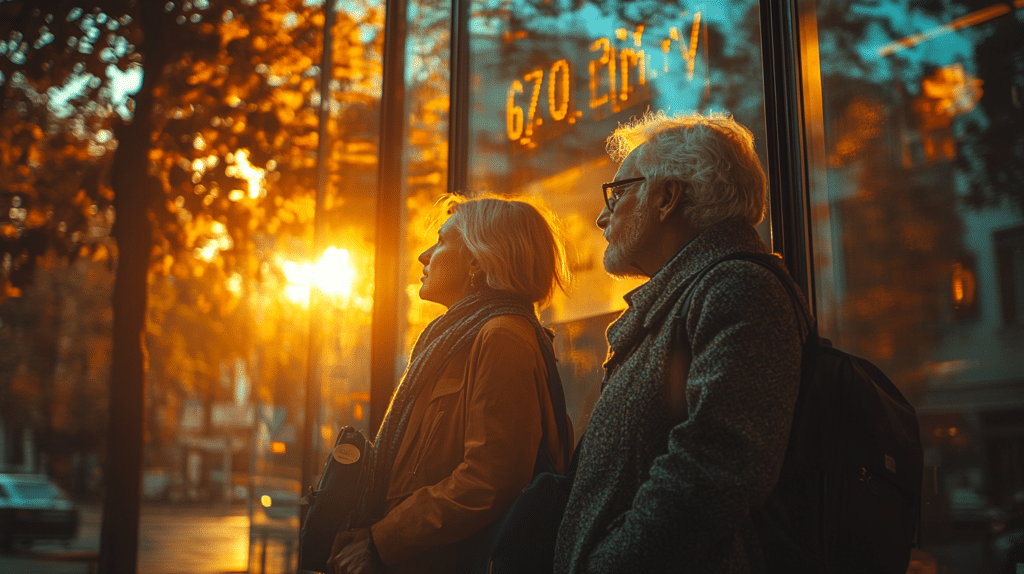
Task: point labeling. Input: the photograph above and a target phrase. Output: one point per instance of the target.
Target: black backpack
(848, 499)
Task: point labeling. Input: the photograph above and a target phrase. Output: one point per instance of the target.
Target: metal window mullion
(784, 125)
(458, 111)
(388, 285)
(311, 406)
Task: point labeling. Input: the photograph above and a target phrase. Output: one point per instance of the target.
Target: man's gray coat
(688, 435)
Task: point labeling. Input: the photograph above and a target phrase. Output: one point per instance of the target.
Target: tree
(54, 352)
(991, 151)
(989, 140)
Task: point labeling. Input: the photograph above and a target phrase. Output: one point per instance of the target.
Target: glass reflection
(917, 212)
(550, 82)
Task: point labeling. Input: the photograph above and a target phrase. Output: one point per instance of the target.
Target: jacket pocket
(446, 387)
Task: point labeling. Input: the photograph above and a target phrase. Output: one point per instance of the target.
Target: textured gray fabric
(670, 490)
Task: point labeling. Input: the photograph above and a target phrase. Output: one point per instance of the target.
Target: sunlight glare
(234, 283)
(333, 275)
(243, 169)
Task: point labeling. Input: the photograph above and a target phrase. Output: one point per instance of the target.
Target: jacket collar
(649, 303)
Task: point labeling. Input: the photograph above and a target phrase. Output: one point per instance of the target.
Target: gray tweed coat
(689, 435)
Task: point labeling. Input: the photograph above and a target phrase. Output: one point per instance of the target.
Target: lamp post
(311, 409)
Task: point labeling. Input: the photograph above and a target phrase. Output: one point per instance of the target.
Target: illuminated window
(963, 286)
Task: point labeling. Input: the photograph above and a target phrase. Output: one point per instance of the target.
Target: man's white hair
(711, 154)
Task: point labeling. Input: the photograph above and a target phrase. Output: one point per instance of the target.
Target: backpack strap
(769, 262)
(545, 458)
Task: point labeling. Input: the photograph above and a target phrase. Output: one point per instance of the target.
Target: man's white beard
(618, 256)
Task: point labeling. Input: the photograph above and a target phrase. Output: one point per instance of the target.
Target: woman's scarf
(439, 342)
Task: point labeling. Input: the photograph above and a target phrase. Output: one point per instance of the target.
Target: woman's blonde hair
(514, 243)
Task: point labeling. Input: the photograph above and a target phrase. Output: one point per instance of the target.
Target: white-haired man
(690, 432)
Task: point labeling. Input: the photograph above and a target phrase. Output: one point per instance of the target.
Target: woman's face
(446, 267)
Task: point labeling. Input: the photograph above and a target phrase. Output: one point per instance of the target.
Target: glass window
(916, 215)
(312, 314)
(425, 161)
(551, 80)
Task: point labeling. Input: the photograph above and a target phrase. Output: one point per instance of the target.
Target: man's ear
(669, 198)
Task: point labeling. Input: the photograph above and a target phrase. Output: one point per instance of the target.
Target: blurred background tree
(192, 128)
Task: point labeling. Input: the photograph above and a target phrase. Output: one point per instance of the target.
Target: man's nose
(425, 256)
(603, 217)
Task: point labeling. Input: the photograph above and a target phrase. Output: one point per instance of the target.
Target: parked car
(33, 508)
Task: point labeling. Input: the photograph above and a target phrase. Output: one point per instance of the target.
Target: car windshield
(35, 489)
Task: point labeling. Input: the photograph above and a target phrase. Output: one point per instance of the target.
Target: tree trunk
(134, 189)
(120, 531)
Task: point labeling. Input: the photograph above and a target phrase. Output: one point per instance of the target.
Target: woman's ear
(476, 277)
(669, 198)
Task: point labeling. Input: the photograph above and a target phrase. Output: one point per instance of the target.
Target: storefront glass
(916, 209)
(551, 80)
(915, 137)
(428, 86)
(313, 308)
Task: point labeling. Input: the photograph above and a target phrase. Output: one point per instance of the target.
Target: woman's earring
(472, 279)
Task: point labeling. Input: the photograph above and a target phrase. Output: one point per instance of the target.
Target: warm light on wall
(278, 447)
(963, 285)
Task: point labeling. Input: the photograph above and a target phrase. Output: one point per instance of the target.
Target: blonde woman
(478, 410)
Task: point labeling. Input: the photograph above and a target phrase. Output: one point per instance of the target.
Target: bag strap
(769, 262)
(557, 394)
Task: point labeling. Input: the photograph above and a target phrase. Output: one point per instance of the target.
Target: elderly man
(689, 434)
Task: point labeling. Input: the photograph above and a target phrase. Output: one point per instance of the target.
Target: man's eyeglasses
(613, 190)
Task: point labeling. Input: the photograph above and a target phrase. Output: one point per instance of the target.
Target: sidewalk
(172, 540)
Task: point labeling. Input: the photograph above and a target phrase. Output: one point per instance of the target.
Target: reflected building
(917, 254)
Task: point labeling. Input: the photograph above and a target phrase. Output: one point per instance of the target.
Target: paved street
(173, 540)
(176, 540)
